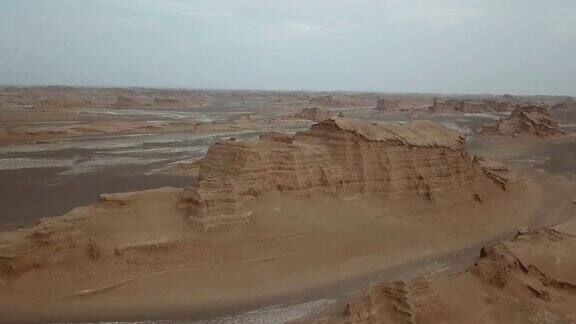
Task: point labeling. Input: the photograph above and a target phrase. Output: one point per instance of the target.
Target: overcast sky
(447, 46)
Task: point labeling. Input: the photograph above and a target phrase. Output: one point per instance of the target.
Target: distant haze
(447, 46)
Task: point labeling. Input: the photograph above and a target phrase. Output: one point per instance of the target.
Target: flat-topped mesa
(314, 114)
(384, 104)
(529, 120)
(339, 157)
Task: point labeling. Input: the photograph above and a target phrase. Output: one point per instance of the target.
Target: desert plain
(131, 204)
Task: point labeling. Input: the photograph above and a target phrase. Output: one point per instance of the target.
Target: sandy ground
(304, 255)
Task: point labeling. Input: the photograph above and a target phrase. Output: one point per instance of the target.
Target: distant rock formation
(168, 102)
(125, 102)
(568, 104)
(531, 274)
(314, 114)
(502, 104)
(326, 101)
(527, 120)
(338, 156)
(457, 105)
(384, 104)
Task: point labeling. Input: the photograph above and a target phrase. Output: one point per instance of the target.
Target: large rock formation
(314, 114)
(339, 156)
(326, 101)
(527, 280)
(531, 120)
(457, 105)
(568, 104)
(384, 104)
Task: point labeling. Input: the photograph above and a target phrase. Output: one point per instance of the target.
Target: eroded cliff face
(528, 120)
(527, 280)
(339, 157)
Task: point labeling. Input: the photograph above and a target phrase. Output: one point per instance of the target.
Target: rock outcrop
(125, 102)
(527, 120)
(168, 102)
(314, 114)
(568, 104)
(531, 275)
(326, 101)
(384, 104)
(456, 105)
(340, 157)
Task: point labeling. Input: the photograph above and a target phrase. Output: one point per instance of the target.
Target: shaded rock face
(387, 105)
(568, 104)
(314, 114)
(326, 101)
(339, 157)
(532, 275)
(531, 120)
(125, 102)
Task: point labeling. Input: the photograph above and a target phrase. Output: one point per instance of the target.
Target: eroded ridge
(339, 157)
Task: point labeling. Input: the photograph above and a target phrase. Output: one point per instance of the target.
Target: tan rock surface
(340, 157)
(384, 104)
(314, 114)
(528, 279)
(527, 120)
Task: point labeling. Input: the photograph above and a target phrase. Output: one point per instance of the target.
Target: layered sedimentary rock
(527, 280)
(314, 114)
(387, 105)
(340, 157)
(326, 101)
(568, 104)
(531, 120)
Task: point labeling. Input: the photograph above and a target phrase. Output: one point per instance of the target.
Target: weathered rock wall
(339, 156)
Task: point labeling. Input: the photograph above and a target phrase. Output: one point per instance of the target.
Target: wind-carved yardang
(340, 157)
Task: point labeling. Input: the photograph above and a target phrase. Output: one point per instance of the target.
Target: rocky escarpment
(528, 120)
(314, 114)
(531, 275)
(340, 157)
(387, 105)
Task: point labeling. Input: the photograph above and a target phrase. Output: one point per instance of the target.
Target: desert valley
(132, 204)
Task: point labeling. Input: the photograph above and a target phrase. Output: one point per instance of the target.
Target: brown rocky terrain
(529, 279)
(526, 120)
(326, 101)
(125, 102)
(472, 106)
(314, 114)
(384, 104)
(340, 157)
(568, 104)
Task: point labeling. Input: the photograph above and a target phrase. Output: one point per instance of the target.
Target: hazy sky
(468, 46)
